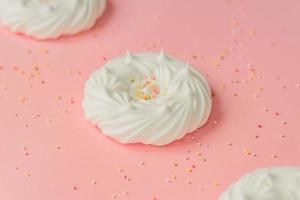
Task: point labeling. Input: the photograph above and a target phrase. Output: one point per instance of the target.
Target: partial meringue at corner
(49, 19)
(276, 183)
(148, 98)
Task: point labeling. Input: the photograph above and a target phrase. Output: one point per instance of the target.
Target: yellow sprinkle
(252, 31)
(189, 170)
(216, 184)
(22, 99)
(216, 63)
(247, 152)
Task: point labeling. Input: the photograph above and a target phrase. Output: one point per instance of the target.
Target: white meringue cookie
(276, 183)
(49, 19)
(147, 98)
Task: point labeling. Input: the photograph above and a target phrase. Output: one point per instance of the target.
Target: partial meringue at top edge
(275, 183)
(148, 98)
(50, 19)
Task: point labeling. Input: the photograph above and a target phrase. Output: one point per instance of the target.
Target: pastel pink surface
(249, 51)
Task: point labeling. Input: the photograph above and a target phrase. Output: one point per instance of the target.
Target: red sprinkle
(259, 126)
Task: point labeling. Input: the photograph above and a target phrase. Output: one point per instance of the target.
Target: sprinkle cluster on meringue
(148, 98)
(275, 183)
(50, 19)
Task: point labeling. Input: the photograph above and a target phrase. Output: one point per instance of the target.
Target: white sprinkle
(265, 109)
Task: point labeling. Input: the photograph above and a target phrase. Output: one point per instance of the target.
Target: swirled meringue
(147, 98)
(49, 19)
(276, 183)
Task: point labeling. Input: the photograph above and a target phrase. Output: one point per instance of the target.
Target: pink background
(249, 51)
